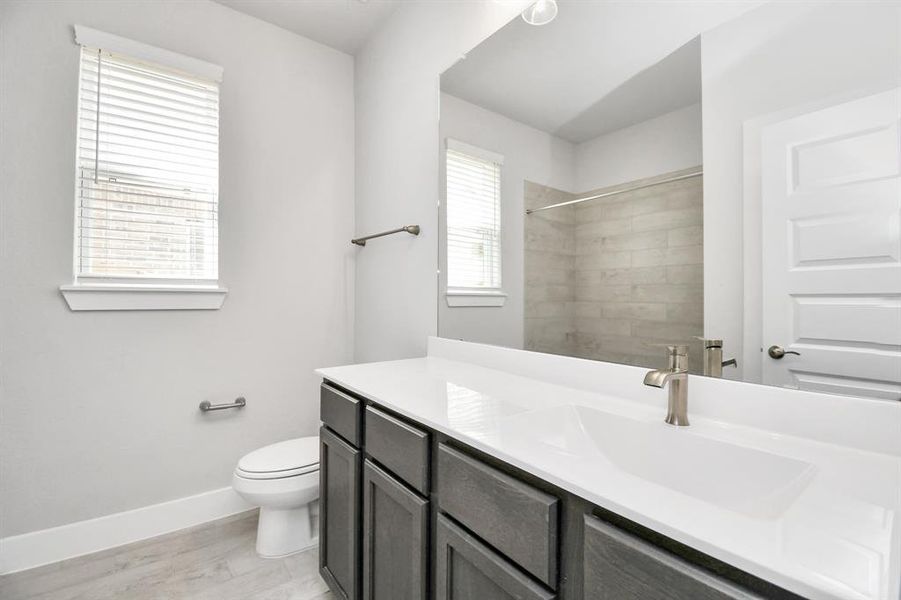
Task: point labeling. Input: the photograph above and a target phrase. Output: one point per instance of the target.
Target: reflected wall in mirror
(633, 175)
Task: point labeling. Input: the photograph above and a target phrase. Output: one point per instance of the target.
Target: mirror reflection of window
(473, 218)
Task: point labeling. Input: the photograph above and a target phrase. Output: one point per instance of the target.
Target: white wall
(396, 103)
(529, 154)
(670, 142)
(99, 410)
(780, 57)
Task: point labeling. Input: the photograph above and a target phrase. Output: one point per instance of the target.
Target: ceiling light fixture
(540, 13)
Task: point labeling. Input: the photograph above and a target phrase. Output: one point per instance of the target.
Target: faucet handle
(676, 355)
(709, 342)
(670, 348)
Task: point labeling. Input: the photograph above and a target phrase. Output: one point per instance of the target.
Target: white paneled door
(832, 249)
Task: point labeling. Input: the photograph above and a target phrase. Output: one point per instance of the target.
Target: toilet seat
(284, 459)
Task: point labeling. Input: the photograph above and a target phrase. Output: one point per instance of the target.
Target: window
(473, 223)
(147, 172)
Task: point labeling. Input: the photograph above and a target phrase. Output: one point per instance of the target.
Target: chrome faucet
(676, 375)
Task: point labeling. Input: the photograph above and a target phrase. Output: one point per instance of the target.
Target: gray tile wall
(636, 274)
(550, 245)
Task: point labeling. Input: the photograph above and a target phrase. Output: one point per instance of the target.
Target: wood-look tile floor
(214, 561)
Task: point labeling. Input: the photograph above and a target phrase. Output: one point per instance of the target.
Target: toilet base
(285, 531)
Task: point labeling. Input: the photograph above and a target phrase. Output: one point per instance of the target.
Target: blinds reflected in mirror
(473, 218)
(148, 162)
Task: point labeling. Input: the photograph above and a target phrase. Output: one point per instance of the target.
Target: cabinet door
(339, 515)
(620, 566)
(395, 538)
(469, 570)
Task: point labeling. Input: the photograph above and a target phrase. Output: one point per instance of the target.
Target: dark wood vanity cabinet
(620, 566)
(395, 538)
(517, 519)
(401, 448)
(467, 569)
(409, 514)
(339, 514)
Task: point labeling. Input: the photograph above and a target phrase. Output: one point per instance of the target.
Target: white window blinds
(147, 171)
(473, 218)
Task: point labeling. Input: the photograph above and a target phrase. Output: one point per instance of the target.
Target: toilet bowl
(283, 480)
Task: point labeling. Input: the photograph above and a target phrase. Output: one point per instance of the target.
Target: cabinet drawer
(518, 520)
(619, 565)
(401, 448)
(469, 570)
(342, 413)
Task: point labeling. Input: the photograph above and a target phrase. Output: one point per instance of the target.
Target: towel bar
(206, 406)
(411, 229)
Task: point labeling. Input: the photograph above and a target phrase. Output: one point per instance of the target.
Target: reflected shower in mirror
(722, 175)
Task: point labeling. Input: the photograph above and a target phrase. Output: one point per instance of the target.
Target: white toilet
(283, 480)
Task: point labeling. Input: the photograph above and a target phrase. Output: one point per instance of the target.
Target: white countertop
(836, 535)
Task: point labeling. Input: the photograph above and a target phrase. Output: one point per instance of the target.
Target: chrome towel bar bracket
(411, 229)
(206, 406)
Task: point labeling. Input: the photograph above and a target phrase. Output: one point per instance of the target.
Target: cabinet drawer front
(395, 538)
(342, 413)
(401, 448)
(517, 519)
(339, 515)
(469, 570)
(619, 566)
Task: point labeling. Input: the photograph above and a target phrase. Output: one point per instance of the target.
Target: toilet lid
(290, 457)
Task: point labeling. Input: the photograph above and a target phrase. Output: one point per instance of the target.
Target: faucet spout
(661, 377)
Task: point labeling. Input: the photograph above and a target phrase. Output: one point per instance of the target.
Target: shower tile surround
(610, 278)
(550, 290)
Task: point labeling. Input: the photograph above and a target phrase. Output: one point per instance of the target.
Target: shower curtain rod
(615, 192)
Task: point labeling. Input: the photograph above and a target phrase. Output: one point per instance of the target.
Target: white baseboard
(29, 550)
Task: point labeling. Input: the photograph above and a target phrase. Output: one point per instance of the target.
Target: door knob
(778, 352)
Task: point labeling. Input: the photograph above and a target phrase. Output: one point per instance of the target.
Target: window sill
(463, 298)
(142, 297)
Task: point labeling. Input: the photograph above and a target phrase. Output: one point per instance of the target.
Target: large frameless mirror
(721, 175)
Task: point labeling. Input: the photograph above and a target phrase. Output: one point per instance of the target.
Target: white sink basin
(756, 483)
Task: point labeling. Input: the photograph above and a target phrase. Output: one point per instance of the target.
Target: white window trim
(85, 36)
(468, 297)
(471, 150)
(116, 296)
(100, 295)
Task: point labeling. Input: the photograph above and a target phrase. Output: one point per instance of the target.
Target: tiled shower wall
(550, 286)
(636, 279)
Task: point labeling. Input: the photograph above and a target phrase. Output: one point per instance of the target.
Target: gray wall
(397, 109)
(529, 154)
(98, 411)
(668, 142)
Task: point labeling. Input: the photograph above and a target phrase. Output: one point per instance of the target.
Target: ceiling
(598, 67)
(341, 24)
